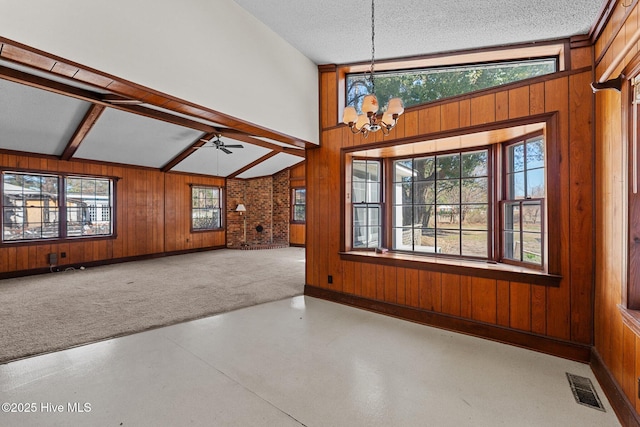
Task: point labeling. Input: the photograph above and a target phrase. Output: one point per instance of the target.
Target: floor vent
(584, 392)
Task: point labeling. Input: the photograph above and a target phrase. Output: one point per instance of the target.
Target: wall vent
(584, 392)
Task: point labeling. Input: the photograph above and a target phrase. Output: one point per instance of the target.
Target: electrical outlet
(330, 279)
(63, 254)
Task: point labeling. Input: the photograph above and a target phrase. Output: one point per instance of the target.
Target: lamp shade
(395, 106)
(241, 208)
(349, 116)
(363, 121)
(370, 104)
(387, 118)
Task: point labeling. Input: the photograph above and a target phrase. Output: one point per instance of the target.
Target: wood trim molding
(631, 318)
(623, 408)
(454, 266)
(548, 345)
(187, 152)
(604, 17)
(252, 164)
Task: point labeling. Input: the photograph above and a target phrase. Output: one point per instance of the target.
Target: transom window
(206, 211)
(418, 86)
(35, 207)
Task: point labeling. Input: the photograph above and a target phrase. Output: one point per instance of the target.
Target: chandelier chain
(373, 47)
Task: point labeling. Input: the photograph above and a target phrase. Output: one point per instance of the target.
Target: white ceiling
(338, 31)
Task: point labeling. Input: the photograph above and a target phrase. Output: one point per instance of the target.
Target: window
(298, 205)
(478, 203)
(34, 207)
(441, 204)
(366, 197)
(89, 206)
(417, 86)
(206, 212)
(522, 222)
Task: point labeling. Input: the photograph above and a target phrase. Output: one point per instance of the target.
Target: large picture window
(44, 206)
(441, 204)
(206, 209)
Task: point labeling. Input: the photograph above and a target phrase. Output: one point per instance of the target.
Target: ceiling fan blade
(225, 150)
(233, 146)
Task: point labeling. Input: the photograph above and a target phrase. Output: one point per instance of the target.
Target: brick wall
(267, 203)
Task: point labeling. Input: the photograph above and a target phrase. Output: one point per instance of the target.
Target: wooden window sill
(631, 318)
(455, 266)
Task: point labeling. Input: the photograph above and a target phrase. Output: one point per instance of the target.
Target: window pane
(535, 153)
(475, 217)
(360, 237)
(424, 192)
(373, 192)
(402, 239)
(449, 242)
(515, 158)
(447, 217)
(402, 216)
(425, 241)
(511, 217)
(425, 168)
(424, 216)
(512, 245)
(374, 216)
(532, 249)
(205, 208)
(448, 192)
(475, 164)
(359, 192)
(535, 183)
(402, 193)
(475, 190)
(448, 166)
(373, 171)
(532, 217)
(516, 186)
(403, 170)
(359, 170)
(474, 243)
(360, 216)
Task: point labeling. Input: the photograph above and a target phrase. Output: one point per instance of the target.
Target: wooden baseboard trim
(623, 408)
(57, 268)
(552, 346)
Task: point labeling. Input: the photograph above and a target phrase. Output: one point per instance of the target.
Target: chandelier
(369, 121)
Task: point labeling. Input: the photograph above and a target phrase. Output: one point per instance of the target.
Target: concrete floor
(300, 361)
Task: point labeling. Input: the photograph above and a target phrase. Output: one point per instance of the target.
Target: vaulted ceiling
(54, 107)
(50, 107)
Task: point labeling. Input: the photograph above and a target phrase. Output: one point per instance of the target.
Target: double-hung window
(298, 205)
(206, 208)
(367, 203)
(38, 206)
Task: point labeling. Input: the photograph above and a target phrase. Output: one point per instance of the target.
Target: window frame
(293, 204)
(63, 224)
(219, 208)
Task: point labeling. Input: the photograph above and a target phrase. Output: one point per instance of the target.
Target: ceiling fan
(219, 145)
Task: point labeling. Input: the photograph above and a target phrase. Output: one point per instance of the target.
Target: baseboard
(552, 346)
(297, 245)
(623, 408)
(56, 268)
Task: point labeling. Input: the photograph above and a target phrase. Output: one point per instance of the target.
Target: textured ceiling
(338, 31)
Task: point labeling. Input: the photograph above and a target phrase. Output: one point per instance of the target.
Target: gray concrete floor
(299, 361)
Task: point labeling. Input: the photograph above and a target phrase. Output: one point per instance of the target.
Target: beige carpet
(40, 314)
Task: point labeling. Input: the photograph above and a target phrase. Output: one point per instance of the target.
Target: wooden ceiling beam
(252, 164)
(90, 119)
(187, 152)
(239, 136)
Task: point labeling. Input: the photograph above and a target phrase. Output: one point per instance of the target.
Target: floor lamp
(242, 209)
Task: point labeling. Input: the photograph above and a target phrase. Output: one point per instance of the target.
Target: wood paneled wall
(152, 216)
(617, 345)
(297, 232)
(563, 313)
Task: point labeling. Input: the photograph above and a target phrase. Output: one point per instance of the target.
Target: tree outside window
(206, 212)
